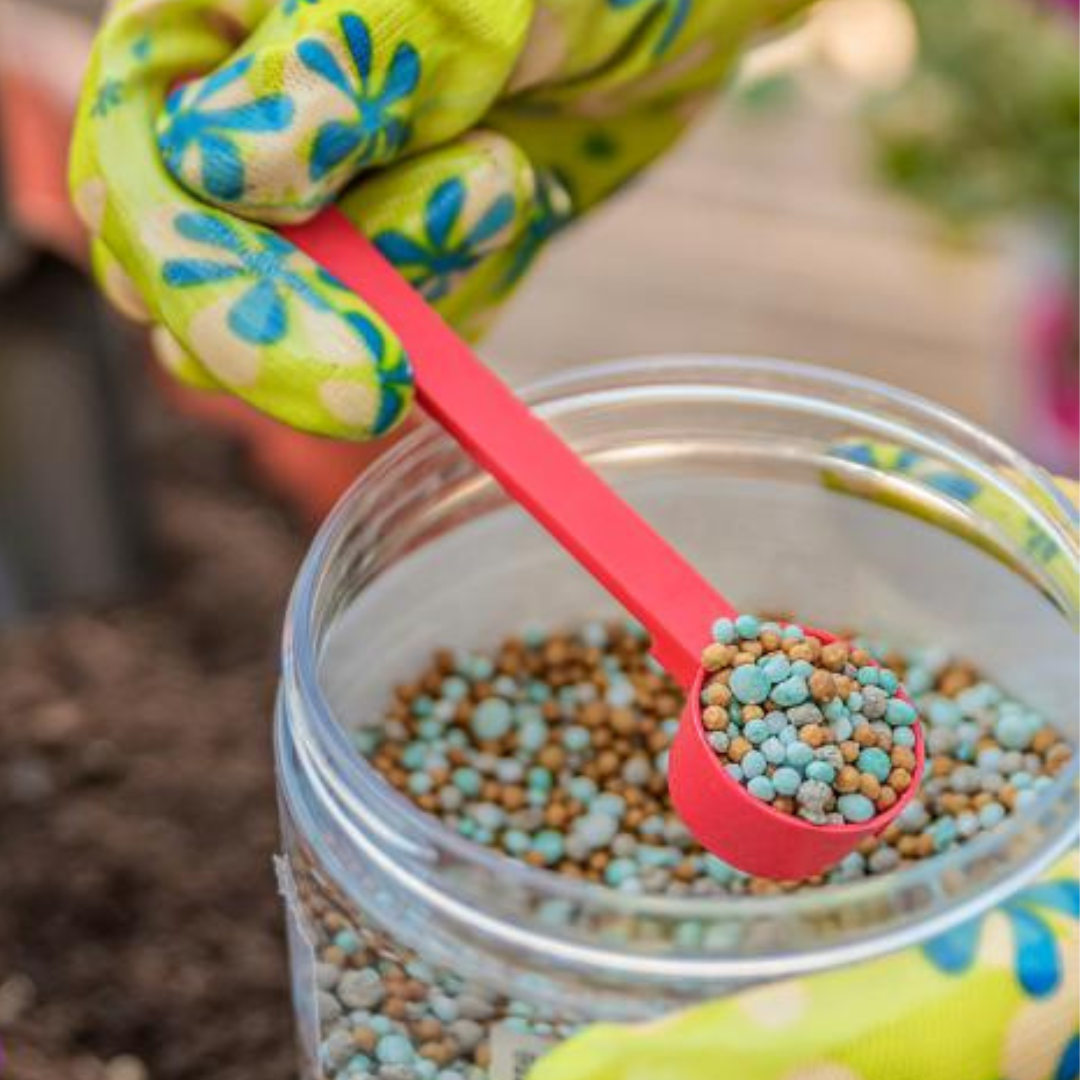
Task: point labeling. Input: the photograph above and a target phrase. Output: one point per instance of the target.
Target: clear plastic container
(737, 462)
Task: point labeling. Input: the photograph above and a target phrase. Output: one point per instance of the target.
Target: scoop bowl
(748, 833)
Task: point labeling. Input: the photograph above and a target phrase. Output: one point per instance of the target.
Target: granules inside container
(552, 749)
(455, 909)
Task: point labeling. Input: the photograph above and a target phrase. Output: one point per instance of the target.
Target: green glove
(477, 128)
(992, 999)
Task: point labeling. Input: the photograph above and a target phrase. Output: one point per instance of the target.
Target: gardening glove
(965, 490)
(458, 134)
(993, 999)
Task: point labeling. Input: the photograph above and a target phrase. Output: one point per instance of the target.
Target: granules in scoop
(814, 729)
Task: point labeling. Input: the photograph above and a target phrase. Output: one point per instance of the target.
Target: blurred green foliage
(986, 126)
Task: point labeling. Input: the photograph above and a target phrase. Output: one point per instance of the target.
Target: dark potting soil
(140, 930)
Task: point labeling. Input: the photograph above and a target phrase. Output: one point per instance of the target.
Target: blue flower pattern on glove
(196, 123)
(432, 264)
(551, 212)
(961, 488)
(142, 48)
(109, 95)
(1037, 961)
(377, 130)
(674, 12)
(395, 371)
(1069, 1064)
(964, 489)
(259, 316)
(270, 272)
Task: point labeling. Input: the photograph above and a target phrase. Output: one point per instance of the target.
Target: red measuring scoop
(607, 537)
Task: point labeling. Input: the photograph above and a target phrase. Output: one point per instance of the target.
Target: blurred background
(891, 190)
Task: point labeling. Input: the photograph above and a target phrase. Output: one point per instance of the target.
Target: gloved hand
(994, 997)
(459, 134)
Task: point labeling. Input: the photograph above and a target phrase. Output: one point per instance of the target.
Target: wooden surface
(766, 236)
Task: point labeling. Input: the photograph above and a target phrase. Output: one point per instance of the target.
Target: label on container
(513, 1053)
(302, 953)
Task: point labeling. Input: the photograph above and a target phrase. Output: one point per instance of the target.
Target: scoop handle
(530, 462)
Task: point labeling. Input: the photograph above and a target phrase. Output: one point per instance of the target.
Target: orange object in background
(43, 52)
(312, 473)
(42, 57)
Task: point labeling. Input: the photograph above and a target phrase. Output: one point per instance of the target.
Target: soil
(140, 931)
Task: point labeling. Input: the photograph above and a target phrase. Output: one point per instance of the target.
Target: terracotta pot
(42, 56)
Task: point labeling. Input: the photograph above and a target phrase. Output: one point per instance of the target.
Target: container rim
(322, 743)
